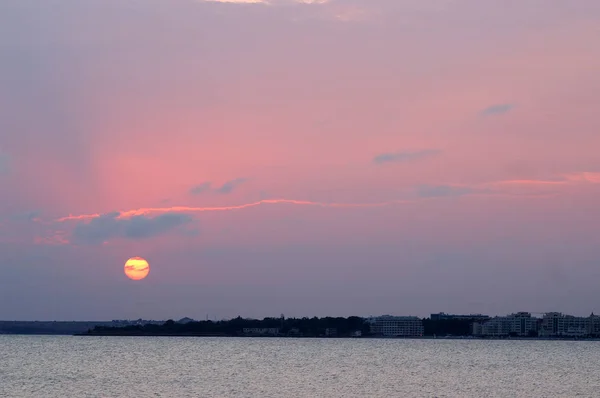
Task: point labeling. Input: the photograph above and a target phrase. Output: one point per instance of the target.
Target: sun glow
(136, 268)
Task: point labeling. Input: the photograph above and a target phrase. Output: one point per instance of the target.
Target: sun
(137, 268)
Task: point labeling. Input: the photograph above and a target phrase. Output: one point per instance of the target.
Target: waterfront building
(497, 326)
(519, 324)
(477, 329)
(593, 325)
(556, 324)
(396, 326)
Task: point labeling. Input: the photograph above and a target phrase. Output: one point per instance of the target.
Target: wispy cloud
(200, 188)
(514, 187)
(497, 109)
(229, 186)
(529, 182)
(585, 177)
(146, 222)
(110, 226)
(143, 227)
(226, 188)
(397, 157)
(525, 187)
(147, 211)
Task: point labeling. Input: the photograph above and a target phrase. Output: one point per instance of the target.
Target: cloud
(201, 188)
(229, 186)
(404, 156)
(528, 182)
(185, 209)
(525, 187)
(497, 109)
(99, 229)
(585, 177)
(110, 226)
(140, 227)
(437, 191)
(226, 188)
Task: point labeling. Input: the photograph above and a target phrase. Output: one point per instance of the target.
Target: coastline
(468, 338)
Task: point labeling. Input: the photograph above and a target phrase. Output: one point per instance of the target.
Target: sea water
(70, 366)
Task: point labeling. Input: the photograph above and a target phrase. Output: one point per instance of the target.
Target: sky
(298, 157)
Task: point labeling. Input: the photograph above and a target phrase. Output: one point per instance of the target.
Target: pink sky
(410, 156)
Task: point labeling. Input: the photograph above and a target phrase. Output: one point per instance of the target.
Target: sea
(73, 366)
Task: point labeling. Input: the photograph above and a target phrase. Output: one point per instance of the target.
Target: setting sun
(136, 268)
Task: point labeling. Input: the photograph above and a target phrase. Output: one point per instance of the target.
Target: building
(519, 324)
(441, 316)
(523, 324)
(556, 324)
(261, 331)
(497, 326)
(593, 325)
(396, 326)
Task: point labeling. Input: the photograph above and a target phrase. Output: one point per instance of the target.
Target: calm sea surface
(65, 366)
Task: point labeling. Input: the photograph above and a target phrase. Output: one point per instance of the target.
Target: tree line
(307, 327)
(303, 327)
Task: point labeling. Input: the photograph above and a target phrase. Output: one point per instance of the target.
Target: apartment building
(519, 324)
(396, 326)
(556, 324)
(593, 325)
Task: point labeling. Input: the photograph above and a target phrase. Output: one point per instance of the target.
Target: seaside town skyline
(520, 324)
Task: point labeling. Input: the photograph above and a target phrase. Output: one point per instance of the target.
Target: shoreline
(467, 338)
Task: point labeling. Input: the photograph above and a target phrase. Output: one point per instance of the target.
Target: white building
(396, 326)
(519, 324)
(593, 325)
(555, 324)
